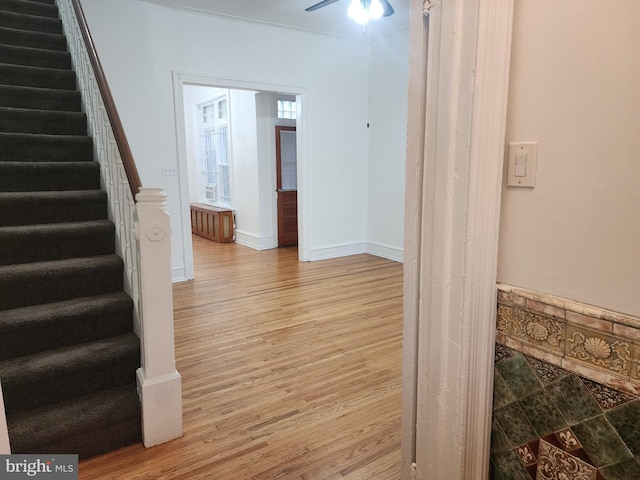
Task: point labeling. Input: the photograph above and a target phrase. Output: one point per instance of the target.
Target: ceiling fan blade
(388, 9)
(324, 3)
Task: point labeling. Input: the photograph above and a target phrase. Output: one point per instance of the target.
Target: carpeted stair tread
(68, 355)
(40, 98)
(30, 8)
(30, 147)
(31, 208)
(26, 38)
(35, 23)
(56, 241)
(34, 57)
(67, 372)
(49, 176)
(57, 280)
(28, 330)
(79, 426)
(26, 120)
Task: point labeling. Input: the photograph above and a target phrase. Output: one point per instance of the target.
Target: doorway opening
(236, 152)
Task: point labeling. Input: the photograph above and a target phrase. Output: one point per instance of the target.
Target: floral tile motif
(527, 453)
(547, 372)
(555, 464)
(635, 369)
(598, 350)
(502, 352)
(540, 330)
(606, 397)
(568, 440)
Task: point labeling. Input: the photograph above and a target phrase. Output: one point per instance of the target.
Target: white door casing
(458, 88)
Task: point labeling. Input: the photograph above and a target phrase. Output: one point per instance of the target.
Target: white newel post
(5, 447)
(159, 383)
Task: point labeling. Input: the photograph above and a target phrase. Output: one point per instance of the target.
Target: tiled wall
(557, 414)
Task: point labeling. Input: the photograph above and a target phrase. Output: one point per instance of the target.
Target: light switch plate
(528, 151)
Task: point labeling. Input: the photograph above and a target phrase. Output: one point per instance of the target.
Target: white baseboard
(335, 251)
(178, 275)
(254, 241)
(386, 251)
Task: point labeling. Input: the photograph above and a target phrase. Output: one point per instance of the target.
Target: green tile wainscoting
(566, 391)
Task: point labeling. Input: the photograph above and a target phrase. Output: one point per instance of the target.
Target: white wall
(140, 45)
(244, 164)
(388, 85)
(574, 89)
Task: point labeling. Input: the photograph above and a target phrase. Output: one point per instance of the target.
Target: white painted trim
(493, 59)
(159, 383)
(254, 241)
(5, 446)
(385, 251)
(452, 223)
(178, 275)
(417, 104)
(182, 78)
(334, 251)
(161, 399)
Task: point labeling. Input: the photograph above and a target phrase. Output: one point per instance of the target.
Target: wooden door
(287, 185)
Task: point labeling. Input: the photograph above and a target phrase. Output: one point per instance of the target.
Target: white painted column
(159, 383)
(5, 447)
(459, 74)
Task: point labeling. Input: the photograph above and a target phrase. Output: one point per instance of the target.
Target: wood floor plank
(290, 371)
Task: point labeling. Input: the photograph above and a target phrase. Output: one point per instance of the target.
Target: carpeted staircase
(68, 356)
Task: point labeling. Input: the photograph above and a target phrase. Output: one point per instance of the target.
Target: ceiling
(331, 19)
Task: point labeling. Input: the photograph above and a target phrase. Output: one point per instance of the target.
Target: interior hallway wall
(574, 90)
(152, 42)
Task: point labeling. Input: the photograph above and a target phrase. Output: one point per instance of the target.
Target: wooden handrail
(110, 106)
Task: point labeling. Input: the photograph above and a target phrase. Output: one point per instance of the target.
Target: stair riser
(34, 57)
(33, 246)
(22, 291)
(35, 148)
(24, 38)
(88, 444)
(40, 176)
(41, 99)
(37, 77)
(24, 210)
(68, 385)
(100, 422)
(16, 120)
(30, 22)
(30, 8)
(26, 332)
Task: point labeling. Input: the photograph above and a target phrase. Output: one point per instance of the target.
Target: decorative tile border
(595, 343)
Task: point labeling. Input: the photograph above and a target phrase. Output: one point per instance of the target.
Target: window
(287, 109)
(216, 158)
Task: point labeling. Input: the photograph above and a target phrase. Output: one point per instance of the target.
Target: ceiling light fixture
(364, 10)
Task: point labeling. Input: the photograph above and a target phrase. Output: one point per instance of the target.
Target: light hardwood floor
(290, 371)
